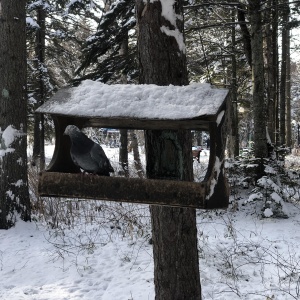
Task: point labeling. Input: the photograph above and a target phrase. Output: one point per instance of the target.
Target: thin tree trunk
(14, 194)
(288, 94)
(235, 121)
(38, 155)
(199, 138)
(168, 153)
(136, 154)
(282, 127)
(259, 107)
(123, 152)
(275, 67)
(245, 36)
(271, 72)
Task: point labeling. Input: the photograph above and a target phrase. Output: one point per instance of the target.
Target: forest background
(246, 46)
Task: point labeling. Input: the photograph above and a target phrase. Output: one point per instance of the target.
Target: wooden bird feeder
(93, 104)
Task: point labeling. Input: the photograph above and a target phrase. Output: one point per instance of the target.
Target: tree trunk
(259, 107)
(245, 35)
(14, 194)
(168, 153)
(136, 154)
(123, 152)
(275, 67)
(38, 155)
(235, 121)
(288, 93)
(271, 70)
(198, 138)
(285, 31)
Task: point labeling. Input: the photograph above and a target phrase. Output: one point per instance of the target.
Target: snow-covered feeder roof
(139, 106)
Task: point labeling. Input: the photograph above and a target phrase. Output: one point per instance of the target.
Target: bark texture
(259, 106)
(234, 101)
(246, 38)
(38, 155)
(283, 73)
(168, 154)
(157, 48)
(288, 95)
(14, 194)
(134, 145)
(272, 69)
(123, 152)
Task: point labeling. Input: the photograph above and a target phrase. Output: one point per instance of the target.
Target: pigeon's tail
(106, 170)
(110, 168)
(103, 173)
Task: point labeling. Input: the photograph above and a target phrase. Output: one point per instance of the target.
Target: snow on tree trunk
(14, 194)
(168, 153)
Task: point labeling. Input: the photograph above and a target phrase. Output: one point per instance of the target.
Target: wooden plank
(138, 124)
(154, 124)
(135, 190)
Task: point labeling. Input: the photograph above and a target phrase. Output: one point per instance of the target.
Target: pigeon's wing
(99, 156)
(74, 158)
(84, 160)
(88, 155)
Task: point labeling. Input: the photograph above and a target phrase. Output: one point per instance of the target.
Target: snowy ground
(241, 256)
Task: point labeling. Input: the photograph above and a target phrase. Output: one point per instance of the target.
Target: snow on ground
(31, 268)
(241, 257)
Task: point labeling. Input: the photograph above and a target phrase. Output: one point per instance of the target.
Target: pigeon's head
(71, 130)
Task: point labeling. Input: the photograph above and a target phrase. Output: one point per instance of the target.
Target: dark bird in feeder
(86, 154)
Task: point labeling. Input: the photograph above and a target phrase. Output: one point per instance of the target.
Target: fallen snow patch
(8, 135)
(268, 213)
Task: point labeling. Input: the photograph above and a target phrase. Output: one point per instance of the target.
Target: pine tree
(101, 54)
(174, 233)
(14, 195)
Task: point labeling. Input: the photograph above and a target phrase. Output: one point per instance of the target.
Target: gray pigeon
(86, 154)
